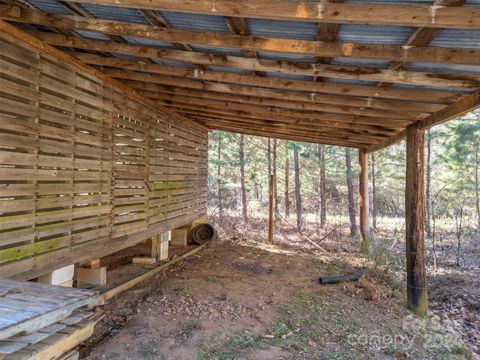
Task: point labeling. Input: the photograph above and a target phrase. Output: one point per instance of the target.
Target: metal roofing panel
(285, 56)
(350, 81)
(50, 6)
(426, 87)
(216, 50)
(179, 64)
(195, 21)
(374, 34)
(229, 70)
(116, 13)
(148, 42)
(289, 76)
(282, 29)
(447, 68)
(457, 38)
(92, 35)
(360, 62)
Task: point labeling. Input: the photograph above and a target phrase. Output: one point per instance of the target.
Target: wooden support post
(414, 201)
(270, 209)
(363, 202)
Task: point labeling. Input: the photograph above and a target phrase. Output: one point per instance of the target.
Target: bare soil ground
(244, 300)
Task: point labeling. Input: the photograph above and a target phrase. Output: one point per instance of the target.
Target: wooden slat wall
(84, 170)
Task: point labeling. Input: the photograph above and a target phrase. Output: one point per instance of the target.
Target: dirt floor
(244, 300)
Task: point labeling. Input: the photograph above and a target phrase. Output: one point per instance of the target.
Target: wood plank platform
(26, 307)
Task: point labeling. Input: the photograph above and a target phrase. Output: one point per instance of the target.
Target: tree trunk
(350, 197)
(219, 182)
(287, 175)
(298, 196)
(274, 172)
(374, 194)
(242, 180)
(428, 228)
(322, 187)
(477, 195)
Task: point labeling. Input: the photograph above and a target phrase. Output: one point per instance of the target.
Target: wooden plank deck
(26, 307)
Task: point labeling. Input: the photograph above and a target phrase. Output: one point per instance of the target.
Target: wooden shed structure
(105, 107)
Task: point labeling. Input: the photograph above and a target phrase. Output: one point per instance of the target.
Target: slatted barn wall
(84, 170)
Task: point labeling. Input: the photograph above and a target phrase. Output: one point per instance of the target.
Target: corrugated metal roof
(285, 56)
(195, 21)
(289, 76)
(425, 87)
(179, 64)
(282, 29)
(457, 38)
(50, 6)
(374, 34)
(92, 35)
(115, 14)
(446, 68)
(229, 70)
(216, 50)
(361, 62)
(148, 42)
(351, 81)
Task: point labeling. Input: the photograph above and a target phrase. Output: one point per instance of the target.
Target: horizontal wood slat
(86, 170)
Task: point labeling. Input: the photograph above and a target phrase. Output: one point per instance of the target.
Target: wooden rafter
(305, 47)
(308, 69)
(287, 96)
(335, 71)
(343, 13)
(296, 85)
(422, 36)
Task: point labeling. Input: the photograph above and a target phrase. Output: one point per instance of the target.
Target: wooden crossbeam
(325, 70)
(344, 13)
(209, 59)
(422, 36)
(331, 121)
(288, 99)
(467, 103)
(276, 106)
(294, 46)
(381, 130)
(166, 93)
(280, 133)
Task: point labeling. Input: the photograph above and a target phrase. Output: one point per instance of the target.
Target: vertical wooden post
(363, 202)
(414, 207)
(270, 209)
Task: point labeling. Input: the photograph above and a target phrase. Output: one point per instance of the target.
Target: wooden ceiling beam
(273, 106)
(287, 96)
(336, 71)
(421, 37)
(271, 131)
(343, 13)
(274, 83)
(274, 134)
(279, 103)
(305, 47)
(302, 124)
(209, 59)
(313, 121)
(467, 103)
(319, 129)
